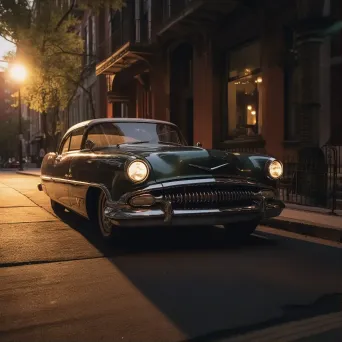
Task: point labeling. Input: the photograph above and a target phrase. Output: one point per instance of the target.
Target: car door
(60, 189)
(77, 187)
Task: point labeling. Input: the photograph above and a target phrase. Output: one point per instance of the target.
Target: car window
(65, 147)
(76, 139)
(109, 133)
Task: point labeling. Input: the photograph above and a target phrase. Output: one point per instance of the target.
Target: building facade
(232, 74)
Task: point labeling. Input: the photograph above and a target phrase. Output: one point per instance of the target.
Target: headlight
(137, 171)
(275, 169)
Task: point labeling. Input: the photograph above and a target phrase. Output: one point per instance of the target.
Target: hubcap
(105, 224)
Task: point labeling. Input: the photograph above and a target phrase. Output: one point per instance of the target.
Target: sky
(5, 47)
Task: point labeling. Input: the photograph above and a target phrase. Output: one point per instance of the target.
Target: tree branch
(59, 24)
(70, 52)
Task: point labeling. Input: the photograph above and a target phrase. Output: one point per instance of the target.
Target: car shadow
(205, 285)
(161, 239)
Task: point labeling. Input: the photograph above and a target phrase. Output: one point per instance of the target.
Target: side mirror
(199, 144)
(89, 145)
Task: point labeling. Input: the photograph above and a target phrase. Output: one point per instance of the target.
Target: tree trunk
(48, 144)
(91, 102)
(43, 117)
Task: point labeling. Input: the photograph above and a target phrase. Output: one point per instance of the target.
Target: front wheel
(107, 229)
(239, 232)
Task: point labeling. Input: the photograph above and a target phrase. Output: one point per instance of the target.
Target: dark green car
(136, 172)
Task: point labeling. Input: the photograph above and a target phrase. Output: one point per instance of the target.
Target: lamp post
(18, 74)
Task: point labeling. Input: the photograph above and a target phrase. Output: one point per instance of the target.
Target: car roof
(93, 122)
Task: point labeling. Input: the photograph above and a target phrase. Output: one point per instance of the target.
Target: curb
(27, 173)
(306, 228)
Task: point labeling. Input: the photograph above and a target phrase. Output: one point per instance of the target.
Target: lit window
(245, 91)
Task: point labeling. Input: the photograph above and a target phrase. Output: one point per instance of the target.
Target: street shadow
(205, 285)
(161, 239)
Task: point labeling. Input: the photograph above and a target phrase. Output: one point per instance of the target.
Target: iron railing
(309, 182)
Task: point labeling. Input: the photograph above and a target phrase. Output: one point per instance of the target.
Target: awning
(123, 58)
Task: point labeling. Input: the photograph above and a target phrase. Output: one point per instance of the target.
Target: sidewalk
(310, 221)
(31, 172)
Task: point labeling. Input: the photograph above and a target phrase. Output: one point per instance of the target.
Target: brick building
(232, 74)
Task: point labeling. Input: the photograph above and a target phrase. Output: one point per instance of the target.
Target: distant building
(6, 99)
(89, 101)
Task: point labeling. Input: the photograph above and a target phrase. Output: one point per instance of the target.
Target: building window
(147, 17)
(94, 34)
(86, 44)
(137, 21)
(90, 39)
(245, 92)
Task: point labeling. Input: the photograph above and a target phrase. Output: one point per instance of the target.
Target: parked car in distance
(136, 172)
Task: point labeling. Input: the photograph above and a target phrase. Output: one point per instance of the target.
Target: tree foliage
(49, 44)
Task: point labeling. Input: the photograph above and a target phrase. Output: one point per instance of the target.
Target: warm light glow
(137, 171)
(275, 169)
(253, 112)
(249, 107)
(18, 73)
(259, 80)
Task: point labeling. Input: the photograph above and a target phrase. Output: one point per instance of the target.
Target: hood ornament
(208, 168)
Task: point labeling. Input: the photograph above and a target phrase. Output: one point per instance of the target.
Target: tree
(49, 44)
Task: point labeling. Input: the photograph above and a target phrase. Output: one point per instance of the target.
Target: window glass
(76, 140)
(65, 147)
(245, 92)
(111, 134)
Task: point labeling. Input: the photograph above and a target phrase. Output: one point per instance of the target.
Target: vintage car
(140, 173)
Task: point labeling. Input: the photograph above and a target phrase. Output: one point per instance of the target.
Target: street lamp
(18, 73)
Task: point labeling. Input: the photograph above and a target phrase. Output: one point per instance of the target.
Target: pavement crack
(40, 262)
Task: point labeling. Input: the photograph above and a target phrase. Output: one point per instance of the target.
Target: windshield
(110, 133)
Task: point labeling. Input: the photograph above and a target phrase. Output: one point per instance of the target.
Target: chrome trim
(125, 211)
(210, 197)
(208, 168)
(166, 185)
(143, 196)
(76, 183)
(127, 216)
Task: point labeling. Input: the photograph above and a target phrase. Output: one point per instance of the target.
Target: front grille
(209, 197)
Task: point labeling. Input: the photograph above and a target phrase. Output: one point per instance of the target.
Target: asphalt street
(60, 282)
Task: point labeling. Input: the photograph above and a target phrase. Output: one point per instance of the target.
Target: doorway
(181, 89)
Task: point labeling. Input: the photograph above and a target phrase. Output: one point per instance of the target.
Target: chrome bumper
(127, 216)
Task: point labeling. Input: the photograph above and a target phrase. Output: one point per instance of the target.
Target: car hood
(179, 162)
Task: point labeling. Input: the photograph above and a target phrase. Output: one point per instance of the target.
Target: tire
(108, 231)
(239, 232)
(57, 208)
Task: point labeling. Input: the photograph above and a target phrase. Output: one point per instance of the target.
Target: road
(60, 282)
